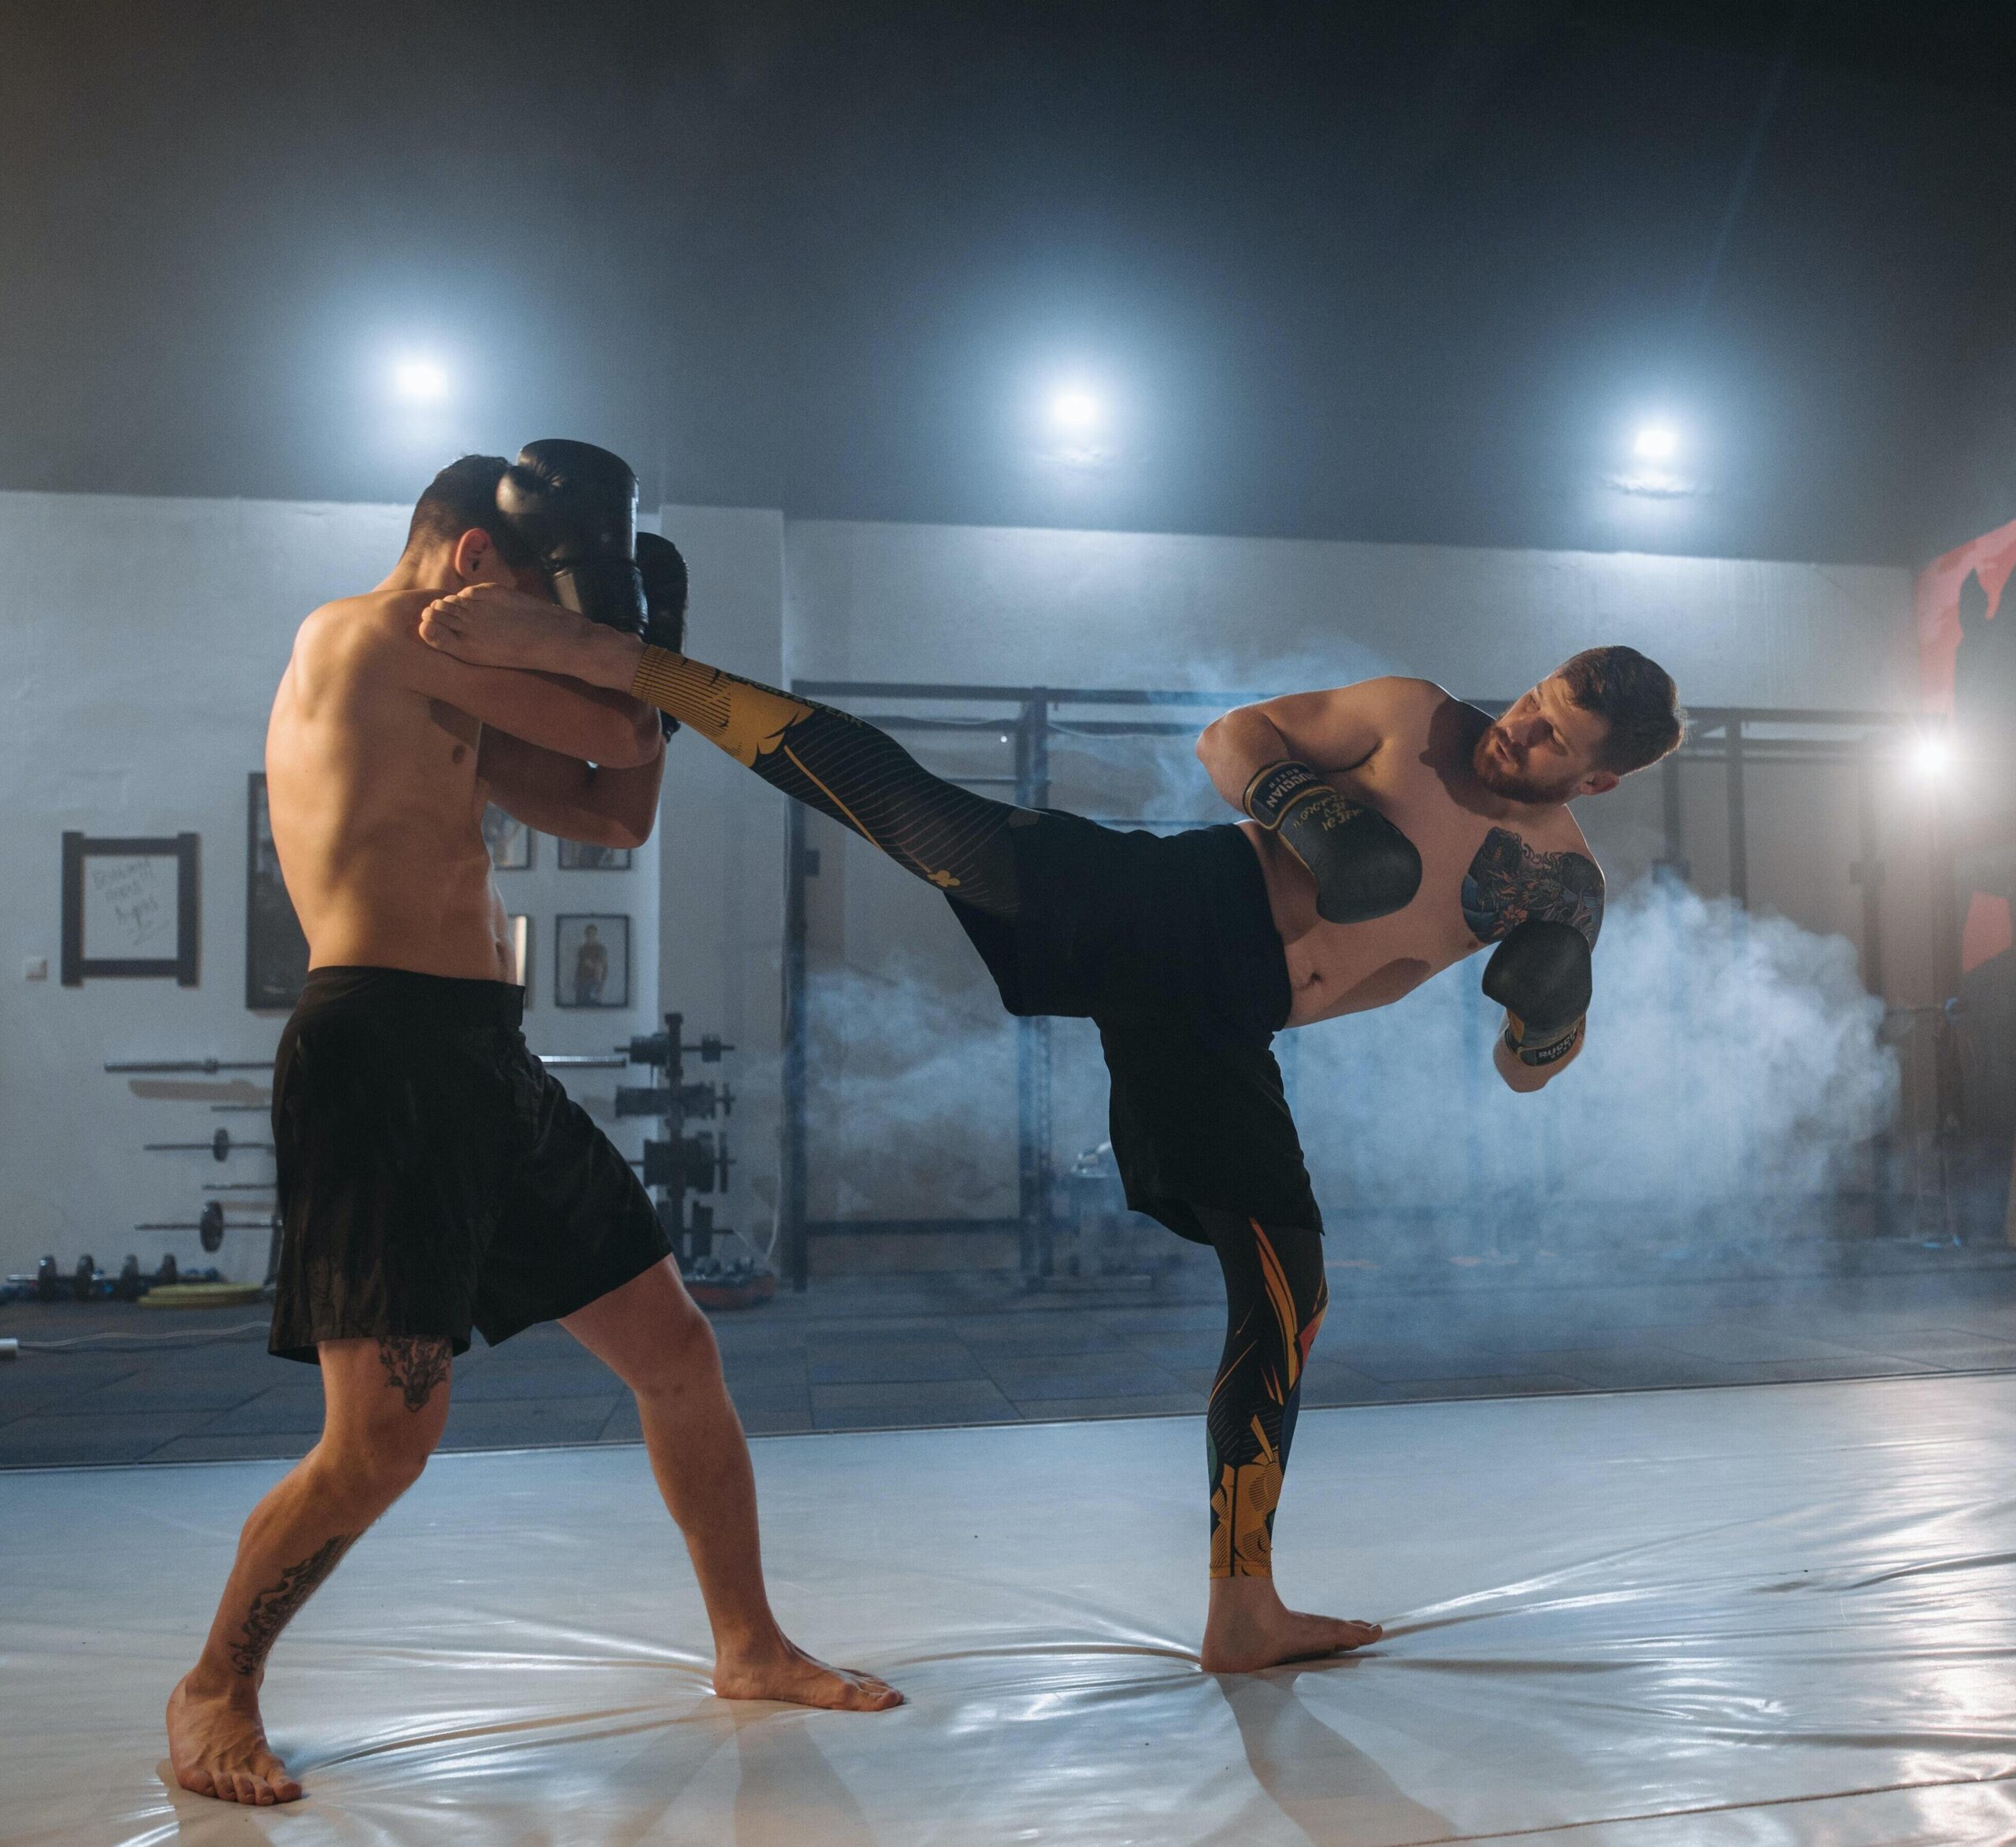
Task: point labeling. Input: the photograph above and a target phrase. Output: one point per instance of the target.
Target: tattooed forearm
(273, 1607)
(414, 1364)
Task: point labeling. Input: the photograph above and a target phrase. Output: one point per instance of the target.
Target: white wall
(144, 639)
(1019, 607)
(721, 831)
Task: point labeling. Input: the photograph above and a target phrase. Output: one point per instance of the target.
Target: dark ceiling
(1392, 272)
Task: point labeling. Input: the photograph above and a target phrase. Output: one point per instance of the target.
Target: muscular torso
(376, 805)
(1486, 865)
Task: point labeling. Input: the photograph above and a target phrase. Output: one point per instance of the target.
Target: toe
(196, 1781)
(871, 1695)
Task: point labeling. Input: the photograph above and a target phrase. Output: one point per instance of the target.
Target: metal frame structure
(1736, 737)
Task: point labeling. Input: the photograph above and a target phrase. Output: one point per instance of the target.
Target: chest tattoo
(1509, 884)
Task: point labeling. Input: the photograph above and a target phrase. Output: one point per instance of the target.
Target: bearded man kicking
(1392, 830)
(432, 1176)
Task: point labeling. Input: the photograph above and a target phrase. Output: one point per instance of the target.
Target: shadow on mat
(1320, 1781)
(785, 1782)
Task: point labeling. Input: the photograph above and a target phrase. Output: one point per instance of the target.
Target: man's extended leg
(1275, 1297)
(384, 1402)
(650, 1334)
(946, 835)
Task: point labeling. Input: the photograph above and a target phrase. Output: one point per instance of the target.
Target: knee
(373, 1469)
(684, 1355)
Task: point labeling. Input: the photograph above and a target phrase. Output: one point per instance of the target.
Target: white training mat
(1765, 1615)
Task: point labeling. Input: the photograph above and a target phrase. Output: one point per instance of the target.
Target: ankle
(212, 1681)
(748, 1643)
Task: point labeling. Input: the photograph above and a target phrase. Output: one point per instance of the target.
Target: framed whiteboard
(129, 907)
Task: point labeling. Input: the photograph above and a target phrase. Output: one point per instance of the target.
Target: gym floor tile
(509, 1423)
(281, 1445)
(1118, 1382)
(592, 1381)
(1748, 1343)
(282, 1408)
(1396, 1365)
(165, 1391)
(48, 1441)
(954, 1401)
(768, 1394)
(1492, 1386)
(895, 1366)
(1150, 1404)
(778, 1423)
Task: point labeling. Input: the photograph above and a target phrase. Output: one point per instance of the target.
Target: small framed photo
(129, 907)
(509, 840)
(521, 953)
(578, 855)
(590, 960)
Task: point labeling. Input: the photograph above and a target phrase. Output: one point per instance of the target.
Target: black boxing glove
(1540, 975)
(663, 571)
(1364, 866)
(575, 506)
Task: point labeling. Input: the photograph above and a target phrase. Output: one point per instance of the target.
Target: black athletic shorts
(432, 1176)
(1168, 943)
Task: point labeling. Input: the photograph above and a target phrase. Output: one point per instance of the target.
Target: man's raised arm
(1269, 760)
(592, 721)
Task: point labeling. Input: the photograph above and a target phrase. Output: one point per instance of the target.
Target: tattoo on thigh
(414, 1364)
(273, 1607)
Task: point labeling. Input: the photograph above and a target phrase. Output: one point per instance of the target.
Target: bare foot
(217, 1744)
(492, 626)
(782, 1671)
(1250, 1628)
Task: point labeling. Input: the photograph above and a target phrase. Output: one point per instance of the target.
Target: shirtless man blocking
(1391, 831)
(432, 1176)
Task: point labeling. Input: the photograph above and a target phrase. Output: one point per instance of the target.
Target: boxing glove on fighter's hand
(664, 574)
(1364, 866)
(576, 506)
(1540, 975)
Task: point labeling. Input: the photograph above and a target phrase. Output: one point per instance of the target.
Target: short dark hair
(1636, 697)
(463, 498)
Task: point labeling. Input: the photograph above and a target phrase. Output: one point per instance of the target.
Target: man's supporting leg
(384, 1402)
(650, 1334)
(946, 835)
(1275, 1297)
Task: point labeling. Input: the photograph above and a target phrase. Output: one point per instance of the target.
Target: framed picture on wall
(590, 960)
(521, 953)
(509, 840)
(578, 855)
(275, 951)
(129, 907)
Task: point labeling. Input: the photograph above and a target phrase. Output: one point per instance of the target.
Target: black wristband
(1541, 1053)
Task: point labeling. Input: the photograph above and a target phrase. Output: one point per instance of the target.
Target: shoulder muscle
(1510, 882)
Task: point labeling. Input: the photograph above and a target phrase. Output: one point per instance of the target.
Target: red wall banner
(1967, 633)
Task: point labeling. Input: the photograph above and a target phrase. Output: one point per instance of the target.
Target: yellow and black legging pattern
(864, 779)
(1275, 1297)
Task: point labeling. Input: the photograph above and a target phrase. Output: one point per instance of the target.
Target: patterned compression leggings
(959, 841)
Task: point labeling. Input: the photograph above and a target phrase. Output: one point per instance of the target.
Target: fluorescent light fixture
(1656, 442)
(419, 381)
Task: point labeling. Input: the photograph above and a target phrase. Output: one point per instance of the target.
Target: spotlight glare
(419, 381)
(1074, 408)
(1656, 442)
(1932, 757)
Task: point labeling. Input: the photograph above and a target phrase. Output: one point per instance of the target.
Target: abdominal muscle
(1336, 968)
